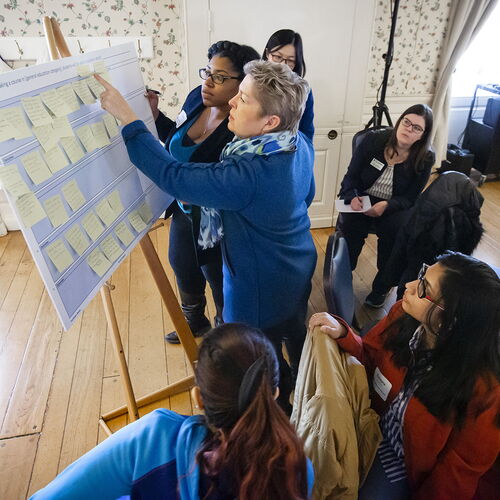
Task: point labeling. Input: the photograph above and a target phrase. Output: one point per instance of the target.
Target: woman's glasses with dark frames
(417, 129)
(421, 291)
(216, 77)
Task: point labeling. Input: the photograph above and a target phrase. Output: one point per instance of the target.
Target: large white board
(81, 204)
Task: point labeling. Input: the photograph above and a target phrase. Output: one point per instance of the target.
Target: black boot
(193, 308)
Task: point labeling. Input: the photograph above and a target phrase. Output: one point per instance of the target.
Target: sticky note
(59, 255)
(67, 93)
(73, 149)
(35, 167)
(62, 127)
(6, 130)
(124, 233)
(83, 92)
(73, 195)
(55, 102)
(105, 212)
(96, 88)
(116, 202)
(98, 262)
(55, 159)
(46, 136)
(111, 125)
(12, 181)
(100, 67)
(87, 137)
(100, 135)
(112, 250)
(136, 220)
(36, 111)
(83, 70)
(15, 118)
(75, 237)
(55, 210)
(92, 226)
(30, 209)
(145, 212)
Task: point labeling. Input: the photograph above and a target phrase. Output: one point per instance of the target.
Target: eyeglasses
(417, 129)
(421, 291)
(280, 59)
(216, 77)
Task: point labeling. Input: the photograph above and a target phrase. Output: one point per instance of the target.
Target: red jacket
(442, 461)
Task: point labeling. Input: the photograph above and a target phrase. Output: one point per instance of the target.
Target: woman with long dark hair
(391, 166)
(285, 47)
(434, 369)
(198, 135)
(242, 447)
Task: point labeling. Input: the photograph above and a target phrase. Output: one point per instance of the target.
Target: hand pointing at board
(113, 102)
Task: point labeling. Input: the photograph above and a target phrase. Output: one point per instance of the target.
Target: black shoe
(201, 329)
(375, 300)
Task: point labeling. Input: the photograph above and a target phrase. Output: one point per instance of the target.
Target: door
(336, 47)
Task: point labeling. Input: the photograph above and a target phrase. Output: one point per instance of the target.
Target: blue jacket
(306, 125)
(153, 458)
(269, 255)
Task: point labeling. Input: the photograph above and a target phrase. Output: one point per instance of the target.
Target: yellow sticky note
(98, 262)
(100, 135)
(30, 209)
(46, 136)
(55, 210)
(12, 181)
(105, 212)
(6, 130)
(62, 127)
(116, 202)
(55, 102)
(92, 226)
(112, 250)
(96, 88)
(35, 166)
(55, 159)
(68, 95)
(111, 125)
(73, 149)
(124, 233)
(100, 67)
(15, 118)
(145, 212)
(87, 137)
(83, 92)
(77, 239)
(36, 111)
(136, 221)
(59, 255)
(73, 195)
(83, 70)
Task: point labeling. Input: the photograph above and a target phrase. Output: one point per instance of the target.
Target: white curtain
(465, 20)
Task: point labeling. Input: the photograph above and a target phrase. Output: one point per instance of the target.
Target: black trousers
(355, 228)
(191, 272)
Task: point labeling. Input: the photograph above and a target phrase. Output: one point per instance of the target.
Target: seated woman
(165, 455)
(261, 189)
(392, 166)
(434, 369)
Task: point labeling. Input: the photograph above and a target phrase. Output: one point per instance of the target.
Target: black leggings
(191, 275)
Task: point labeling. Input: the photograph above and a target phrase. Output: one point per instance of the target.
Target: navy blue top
(306, 125)
(268, 252)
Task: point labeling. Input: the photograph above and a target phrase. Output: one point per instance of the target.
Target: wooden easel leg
(120, 355)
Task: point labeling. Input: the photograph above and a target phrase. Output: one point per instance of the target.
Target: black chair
(337, 279)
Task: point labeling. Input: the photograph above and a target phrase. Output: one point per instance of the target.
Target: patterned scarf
(211, 231)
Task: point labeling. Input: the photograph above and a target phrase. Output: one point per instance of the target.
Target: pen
(356, 194)
(154, 91)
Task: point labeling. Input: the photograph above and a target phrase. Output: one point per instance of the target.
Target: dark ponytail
(253, 443)
(238, 54)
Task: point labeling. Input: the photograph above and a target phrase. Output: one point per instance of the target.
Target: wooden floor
(54, 385)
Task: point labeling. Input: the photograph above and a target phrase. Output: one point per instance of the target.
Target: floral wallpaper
(419, 35)
(163, 20)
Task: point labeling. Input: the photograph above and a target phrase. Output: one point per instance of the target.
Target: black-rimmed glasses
(277, 58)
(421, 291)
(216, 77)
(417, 129)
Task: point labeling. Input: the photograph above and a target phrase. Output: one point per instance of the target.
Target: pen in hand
(154, 91)
(356, 195)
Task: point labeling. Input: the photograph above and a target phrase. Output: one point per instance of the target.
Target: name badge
(377, 164)
(181, 118)
(381, 385)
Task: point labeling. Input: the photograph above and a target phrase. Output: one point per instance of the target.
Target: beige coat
(332, 415)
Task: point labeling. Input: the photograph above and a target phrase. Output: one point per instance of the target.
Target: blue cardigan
(153, 458)
(268, 252)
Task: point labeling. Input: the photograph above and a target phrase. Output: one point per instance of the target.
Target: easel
(58, 49)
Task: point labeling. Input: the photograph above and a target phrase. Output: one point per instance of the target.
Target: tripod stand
(380, 109)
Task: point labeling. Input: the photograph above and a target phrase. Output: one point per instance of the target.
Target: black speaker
(461, 160)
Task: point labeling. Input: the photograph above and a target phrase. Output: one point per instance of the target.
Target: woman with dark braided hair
(198, 135)
(243, 447)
